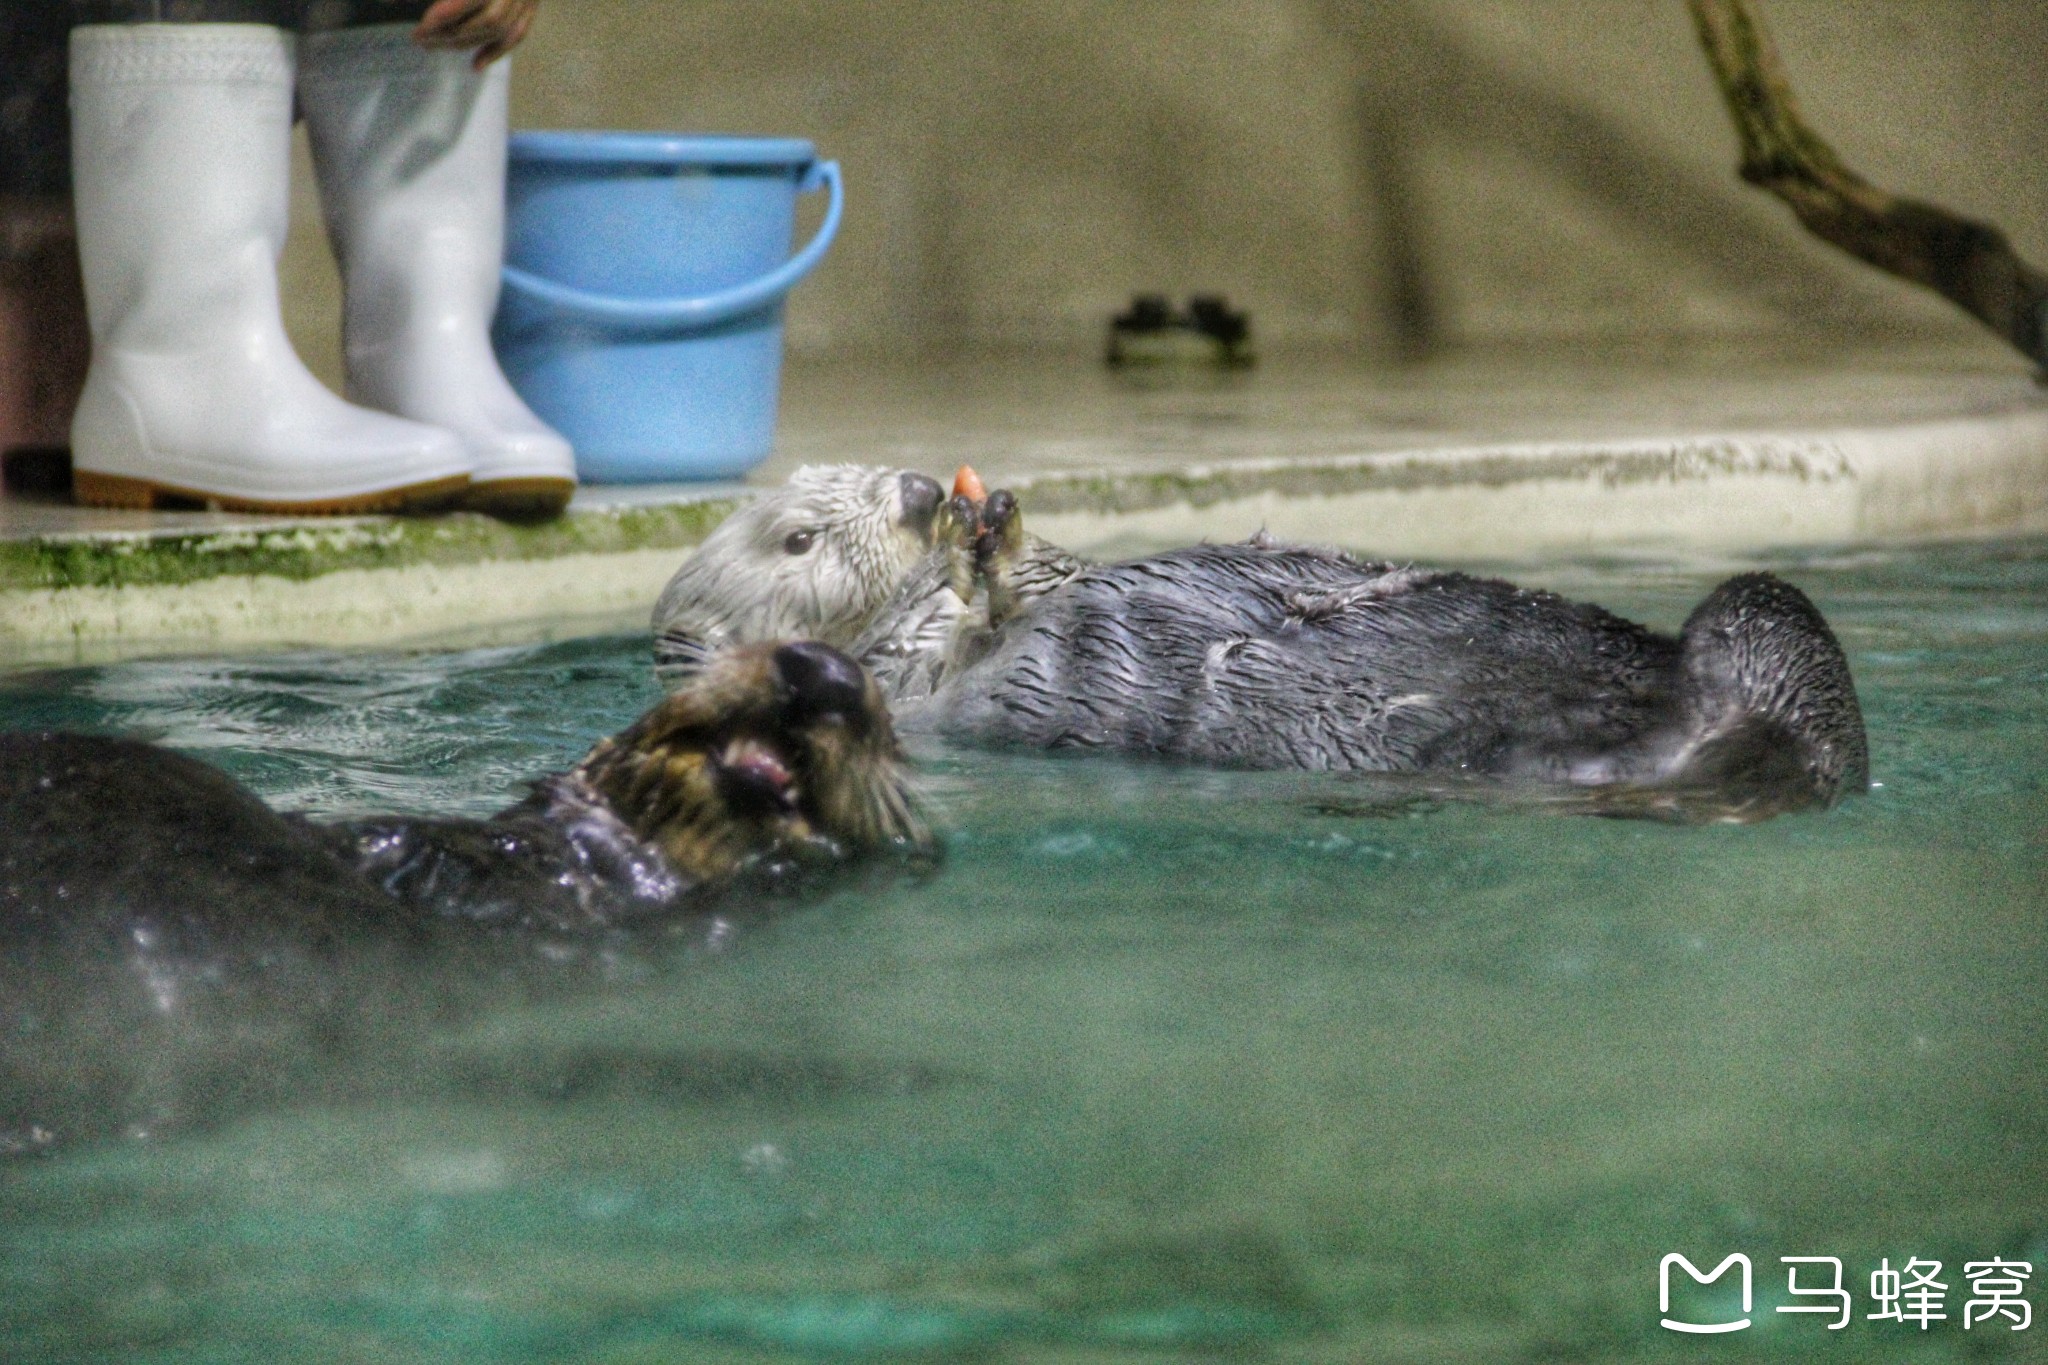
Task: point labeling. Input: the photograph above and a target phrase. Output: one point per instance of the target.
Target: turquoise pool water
(1162, 1064)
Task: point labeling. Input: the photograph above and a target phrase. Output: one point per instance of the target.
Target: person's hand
(492, 27)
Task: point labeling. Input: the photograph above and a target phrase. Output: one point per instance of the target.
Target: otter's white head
(812, 560)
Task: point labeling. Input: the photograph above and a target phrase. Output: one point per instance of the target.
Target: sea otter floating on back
(1264, 655)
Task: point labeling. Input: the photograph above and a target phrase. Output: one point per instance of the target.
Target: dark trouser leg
(43, 337)
(42, 308)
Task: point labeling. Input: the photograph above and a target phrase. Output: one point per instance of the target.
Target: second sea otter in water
(1276, 656)
(173, 951)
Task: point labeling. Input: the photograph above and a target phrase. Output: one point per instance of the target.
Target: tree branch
(1969, 263)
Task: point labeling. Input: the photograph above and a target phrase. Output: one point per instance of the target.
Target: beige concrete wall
(1384, 173)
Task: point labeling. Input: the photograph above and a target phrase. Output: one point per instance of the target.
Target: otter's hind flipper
(1771, 706)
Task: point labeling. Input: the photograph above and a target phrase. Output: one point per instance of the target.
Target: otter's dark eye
(796, 542)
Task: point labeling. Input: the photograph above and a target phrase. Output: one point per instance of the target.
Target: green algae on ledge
(304, 550)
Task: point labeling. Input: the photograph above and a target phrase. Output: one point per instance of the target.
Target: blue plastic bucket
(644, 278)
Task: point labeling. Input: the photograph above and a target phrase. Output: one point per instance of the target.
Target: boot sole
(529, 499)
(118, 490)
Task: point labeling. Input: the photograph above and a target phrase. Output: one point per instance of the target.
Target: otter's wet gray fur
(1274, 656)
(1283, 657)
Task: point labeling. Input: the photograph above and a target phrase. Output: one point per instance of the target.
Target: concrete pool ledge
(1720, 493)
(1109, 470)
(199, 582)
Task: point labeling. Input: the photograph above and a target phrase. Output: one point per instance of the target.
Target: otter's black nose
(921, 499)
(819, 682)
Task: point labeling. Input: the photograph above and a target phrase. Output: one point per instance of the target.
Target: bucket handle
(707, 309)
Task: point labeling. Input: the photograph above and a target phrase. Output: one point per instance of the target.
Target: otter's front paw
(998, 549)
(996, 541)
(954, 538)
(1001, 529)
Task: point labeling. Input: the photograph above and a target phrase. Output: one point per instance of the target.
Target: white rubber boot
(410, 149)
(181, 143)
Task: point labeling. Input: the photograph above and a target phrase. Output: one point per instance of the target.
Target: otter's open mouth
(755, 777)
